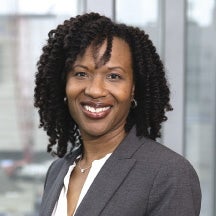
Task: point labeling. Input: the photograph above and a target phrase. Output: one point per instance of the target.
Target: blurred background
(183, 32)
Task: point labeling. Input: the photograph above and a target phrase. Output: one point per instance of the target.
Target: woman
(102, 95)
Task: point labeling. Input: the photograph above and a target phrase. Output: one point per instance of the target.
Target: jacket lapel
(54, 187)
(112, 174)
(105, 184)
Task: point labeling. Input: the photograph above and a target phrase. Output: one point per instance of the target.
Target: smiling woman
(102, 95)
(99, 98)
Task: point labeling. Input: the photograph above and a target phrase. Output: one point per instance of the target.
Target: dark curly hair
(71, 39)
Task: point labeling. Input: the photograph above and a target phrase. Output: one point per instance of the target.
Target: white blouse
(60, 208)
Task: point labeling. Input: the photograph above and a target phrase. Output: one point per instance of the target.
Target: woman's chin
(93, 133)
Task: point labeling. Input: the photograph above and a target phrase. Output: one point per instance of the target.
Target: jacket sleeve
(175, 190)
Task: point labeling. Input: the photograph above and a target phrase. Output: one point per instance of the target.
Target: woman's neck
(98, 147)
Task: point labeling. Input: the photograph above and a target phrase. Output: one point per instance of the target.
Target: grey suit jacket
(141, 178)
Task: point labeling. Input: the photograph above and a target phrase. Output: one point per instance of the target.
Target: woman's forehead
(120, 60)
(119, 50)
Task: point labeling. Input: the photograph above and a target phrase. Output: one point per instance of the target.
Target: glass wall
(200, 107)
(144, 14)
(24, 26)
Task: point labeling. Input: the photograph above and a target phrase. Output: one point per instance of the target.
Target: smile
(96, 110)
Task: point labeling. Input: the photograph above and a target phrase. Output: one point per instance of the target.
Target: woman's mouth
(96, 112)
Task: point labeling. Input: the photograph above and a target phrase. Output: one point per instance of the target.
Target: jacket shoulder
(155, 151)
(53, 170)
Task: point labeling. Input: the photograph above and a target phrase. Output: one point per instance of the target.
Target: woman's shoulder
(149, 152)
(54, 169)
(56, 164)
(159, 155)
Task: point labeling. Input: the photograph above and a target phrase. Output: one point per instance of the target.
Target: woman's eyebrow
(109, 68)
(81, 66)
(116, 67)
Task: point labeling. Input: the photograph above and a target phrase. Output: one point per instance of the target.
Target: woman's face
(99, 99)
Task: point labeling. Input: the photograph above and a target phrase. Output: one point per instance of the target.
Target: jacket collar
(129, 145)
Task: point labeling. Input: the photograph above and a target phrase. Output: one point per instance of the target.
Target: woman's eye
(114, 76)
(80, 74)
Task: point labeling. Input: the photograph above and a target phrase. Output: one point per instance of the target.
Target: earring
(65, 100)
(133, 104)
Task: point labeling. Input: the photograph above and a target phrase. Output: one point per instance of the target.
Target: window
(24, 26)
(143, 14)
(200, 101)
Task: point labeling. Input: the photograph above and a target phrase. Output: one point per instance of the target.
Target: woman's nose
(96, 88)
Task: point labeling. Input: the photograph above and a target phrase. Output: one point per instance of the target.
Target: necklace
(82, 170)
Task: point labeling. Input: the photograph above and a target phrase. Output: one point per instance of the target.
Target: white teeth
(96, 110)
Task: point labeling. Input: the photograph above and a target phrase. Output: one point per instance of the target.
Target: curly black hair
(71, 39)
